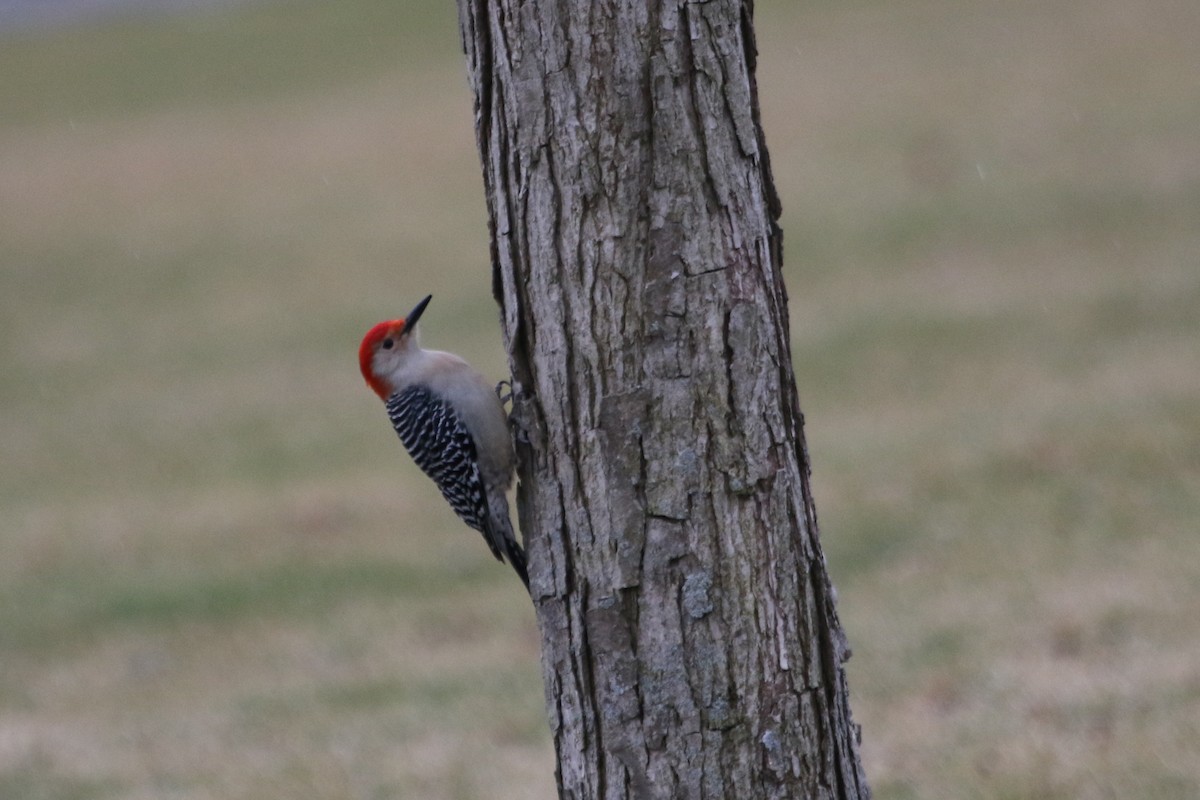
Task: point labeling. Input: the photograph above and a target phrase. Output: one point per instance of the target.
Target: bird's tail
(503, 540)
(516, 557)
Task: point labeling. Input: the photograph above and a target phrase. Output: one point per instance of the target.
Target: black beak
(411, 320)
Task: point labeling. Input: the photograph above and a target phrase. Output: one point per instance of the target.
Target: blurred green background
(220, 577)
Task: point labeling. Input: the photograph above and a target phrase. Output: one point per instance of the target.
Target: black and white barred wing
(437, 440)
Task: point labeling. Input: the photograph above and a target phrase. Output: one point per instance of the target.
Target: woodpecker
(453, 425)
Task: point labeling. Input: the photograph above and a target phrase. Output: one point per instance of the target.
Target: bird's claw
(505, 396)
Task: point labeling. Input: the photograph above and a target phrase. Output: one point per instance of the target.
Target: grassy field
(221, 579)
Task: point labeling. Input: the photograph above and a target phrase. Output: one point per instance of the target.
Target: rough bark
(690, 645)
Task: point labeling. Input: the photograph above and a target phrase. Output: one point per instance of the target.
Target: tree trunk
(690, 645)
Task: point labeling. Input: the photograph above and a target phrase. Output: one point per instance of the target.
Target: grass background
(221, 579)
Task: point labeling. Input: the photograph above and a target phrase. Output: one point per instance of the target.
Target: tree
(690, 645)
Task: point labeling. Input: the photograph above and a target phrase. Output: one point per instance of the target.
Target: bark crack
(697, 74)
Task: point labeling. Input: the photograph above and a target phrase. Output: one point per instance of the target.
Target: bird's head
(386, 349)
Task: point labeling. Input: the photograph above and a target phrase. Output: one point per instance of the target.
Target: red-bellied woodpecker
(453, 425)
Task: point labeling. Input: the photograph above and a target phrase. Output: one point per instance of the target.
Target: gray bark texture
(690, 645)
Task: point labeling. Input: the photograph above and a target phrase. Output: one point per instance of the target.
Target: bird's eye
(388, 344)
